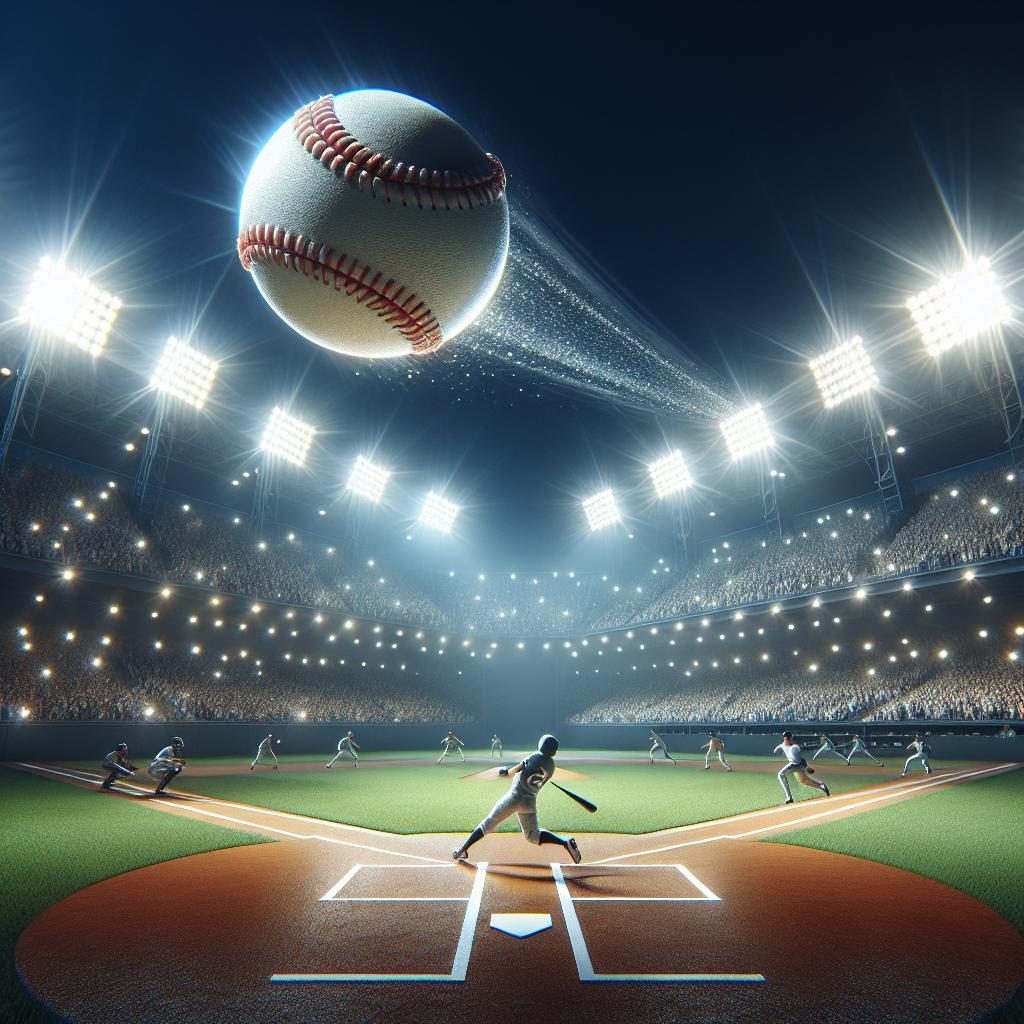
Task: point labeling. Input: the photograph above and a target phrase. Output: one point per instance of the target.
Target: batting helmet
(177, 741)
(548, 746)
(122, 747)
(787, 735)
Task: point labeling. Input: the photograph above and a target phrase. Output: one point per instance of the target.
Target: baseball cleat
(825, 790)
(789, 801)
(252, 767)
(460, 855)
(574, 851)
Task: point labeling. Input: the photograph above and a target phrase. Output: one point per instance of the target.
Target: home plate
(521, 925)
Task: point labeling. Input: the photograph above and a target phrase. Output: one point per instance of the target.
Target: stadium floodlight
(287, 437)
(601, 510)
(367, 480)
(844, 372)
(670, 474)
(438, 513)
(184, 373)
(747, 432)
(959, 308)
(70, 306)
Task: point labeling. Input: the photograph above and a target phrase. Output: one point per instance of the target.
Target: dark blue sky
(726, 169)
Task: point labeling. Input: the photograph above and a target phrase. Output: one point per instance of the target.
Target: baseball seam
(398, 307)
(323, 136)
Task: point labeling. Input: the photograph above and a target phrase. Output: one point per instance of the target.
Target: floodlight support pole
(682, 528)
(878, 456)
(21, 386)
(150, 454)
(1011, 404)
(261, 493)
(769, 499)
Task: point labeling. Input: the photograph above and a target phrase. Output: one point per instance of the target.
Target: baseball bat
(582, 801)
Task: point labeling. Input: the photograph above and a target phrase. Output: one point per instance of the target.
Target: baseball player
(715, 745)
(858, 747)
(347, 745)
(266, 747)
(828, 747)
(657, 743)
(530, 775)
(497, 746)
(168, 764)
(921, 751)
(796, 764)
(117, 763)
(450, 741)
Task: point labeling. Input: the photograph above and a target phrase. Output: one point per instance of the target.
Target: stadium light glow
(184, 373)
(367, 480)
(670, 474)
(438, 513)
(70, 306)
(959, 308)
(747, 432)
(287, 437)
(844, 372)
(601, 510)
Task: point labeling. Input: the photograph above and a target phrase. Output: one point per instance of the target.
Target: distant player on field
(347, 745)
(715, 745)
(657, 743)
(921, 750)
(828, 747)
(796, 765)
(450, 742)
(530, 775)
(117, 763)
(266, 747)
(497, 750)
(168, 764)
(858, 747)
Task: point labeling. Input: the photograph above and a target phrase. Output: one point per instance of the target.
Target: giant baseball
(374, 224)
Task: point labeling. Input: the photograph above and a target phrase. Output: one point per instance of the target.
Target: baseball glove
(810, 771)
(503, 771)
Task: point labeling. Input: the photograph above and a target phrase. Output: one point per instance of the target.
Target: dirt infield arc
(842, 939)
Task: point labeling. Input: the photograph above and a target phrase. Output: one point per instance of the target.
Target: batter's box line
(707, 896)
(460, 965)
(331, 896)
(585, 966)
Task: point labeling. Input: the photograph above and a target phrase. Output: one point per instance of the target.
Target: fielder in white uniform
(828, 747)
(449, 742)
(858, 747)
(921, 752)
(796, 765)
(347, 745)
(530, 775)
(715, 745)
(657, 743)
(168, 764)
(497, 750)
(266, 747)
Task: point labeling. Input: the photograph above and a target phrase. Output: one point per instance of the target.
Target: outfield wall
(53, 741)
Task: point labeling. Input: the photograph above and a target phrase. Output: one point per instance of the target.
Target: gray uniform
(828, 747)
(521, 799)
(163, 765)
(657, 743)
(448, 743)
(858, 747)
(344, 747)
(266, 747)
(921, 752)
(496, 747)
(117, 764)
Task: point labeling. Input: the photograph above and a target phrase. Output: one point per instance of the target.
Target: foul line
(887, 795)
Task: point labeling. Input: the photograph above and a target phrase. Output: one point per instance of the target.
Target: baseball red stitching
(318, 129)
(394, 304)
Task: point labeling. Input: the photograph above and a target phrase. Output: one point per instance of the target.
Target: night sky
(751, 185)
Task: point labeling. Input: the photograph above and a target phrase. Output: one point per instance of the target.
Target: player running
(168, 764)
(921, 751)
(715, 745)
(530, 776)
(449, 742)
(497, 746)
(117, 763)
(858, 747)
(828, 747)
(266, 747)
(796, 764)
(347, 745)
(657, 743)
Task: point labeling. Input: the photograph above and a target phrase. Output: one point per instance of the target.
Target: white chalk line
(886, 795)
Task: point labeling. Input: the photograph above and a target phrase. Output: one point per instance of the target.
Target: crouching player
(168, 764)
(796, 764)
(530, 775)
(117, 763)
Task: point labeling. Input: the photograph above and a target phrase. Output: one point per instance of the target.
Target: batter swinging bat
(582, 801)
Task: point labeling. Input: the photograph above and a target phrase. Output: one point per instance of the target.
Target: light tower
(748, 433)
(285, 438)
(671, 478)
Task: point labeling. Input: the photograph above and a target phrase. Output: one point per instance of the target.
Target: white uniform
(828, 747)
(716, 745)
(266, 747)
(496, 747)
(795, 764)
(344, 747)
(921, 752)
(449, 742)
(858, 747)
(657, 743)
(162, 769)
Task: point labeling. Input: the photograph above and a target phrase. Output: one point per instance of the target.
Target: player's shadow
(587, 879)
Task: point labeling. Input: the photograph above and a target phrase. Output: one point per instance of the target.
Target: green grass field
(57, 839)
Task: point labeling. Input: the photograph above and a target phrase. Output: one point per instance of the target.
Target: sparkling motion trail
(554, 317)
